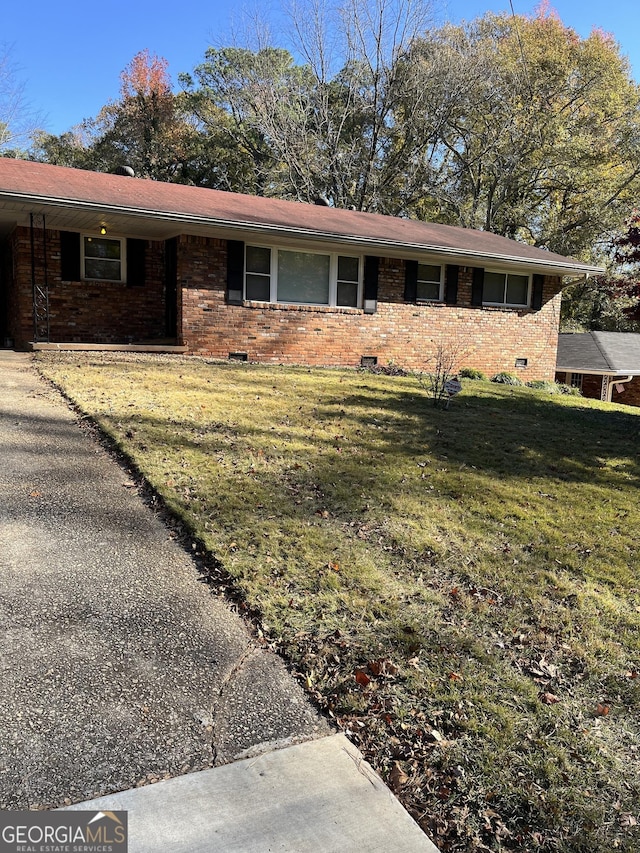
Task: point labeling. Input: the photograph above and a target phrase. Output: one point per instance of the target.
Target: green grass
(458, 589)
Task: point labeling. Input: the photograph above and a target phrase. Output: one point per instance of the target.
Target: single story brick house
(109, 259)
(604, 365)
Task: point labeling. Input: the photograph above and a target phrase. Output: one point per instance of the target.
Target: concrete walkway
(118, 668)
(318, 797)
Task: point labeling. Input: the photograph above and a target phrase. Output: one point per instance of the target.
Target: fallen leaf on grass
(383, 666)
(628, 820)
(548, 698)
(362, 678)
(602, 709)
(397, 777)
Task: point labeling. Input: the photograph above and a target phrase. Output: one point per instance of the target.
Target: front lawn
(457, 589)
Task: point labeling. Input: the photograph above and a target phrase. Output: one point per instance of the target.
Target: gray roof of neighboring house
(75, 199)
(614, 353)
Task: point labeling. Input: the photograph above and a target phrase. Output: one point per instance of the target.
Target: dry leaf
(362, 678)
(548, 698)
(397, 777)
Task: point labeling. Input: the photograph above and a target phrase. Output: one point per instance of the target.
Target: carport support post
(40, 292)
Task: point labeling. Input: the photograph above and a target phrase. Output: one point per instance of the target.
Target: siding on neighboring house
(631, 394)
(591, 387)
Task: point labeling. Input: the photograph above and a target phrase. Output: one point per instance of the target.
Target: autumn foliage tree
(609, 302)
(508, 123)
(147, 128)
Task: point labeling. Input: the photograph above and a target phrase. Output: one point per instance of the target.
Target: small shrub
(568, 389)
(471, 373)
(544, 385)
(507, 379)
(390, 369)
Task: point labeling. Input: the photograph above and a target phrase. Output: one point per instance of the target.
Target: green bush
(568, 389)
(471, 373)
(507, 379)
(544, 385)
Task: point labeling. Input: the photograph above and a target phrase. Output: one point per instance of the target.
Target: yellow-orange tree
(539, 131)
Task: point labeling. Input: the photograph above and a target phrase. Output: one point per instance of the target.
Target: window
(505, 289)
(303, 277)
(102, 258)
(307, 278)
(258, 273)
(348, 282)
(429, 282)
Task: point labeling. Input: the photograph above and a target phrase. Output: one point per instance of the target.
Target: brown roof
(78, 199)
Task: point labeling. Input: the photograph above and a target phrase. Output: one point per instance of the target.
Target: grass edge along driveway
(457, 589)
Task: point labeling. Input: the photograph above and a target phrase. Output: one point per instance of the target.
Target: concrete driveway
(117, 666)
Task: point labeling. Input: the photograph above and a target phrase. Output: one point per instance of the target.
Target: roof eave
(611, 372)
(239, 226)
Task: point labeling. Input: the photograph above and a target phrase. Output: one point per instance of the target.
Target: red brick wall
(84, 311)
(592, 388)
(631, 394)
(405, 334)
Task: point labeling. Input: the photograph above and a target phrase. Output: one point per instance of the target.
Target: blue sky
(69, 55)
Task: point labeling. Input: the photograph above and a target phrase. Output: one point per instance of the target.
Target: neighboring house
(603, 365)
(91, 258)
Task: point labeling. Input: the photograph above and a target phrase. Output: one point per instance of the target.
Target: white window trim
(333, 275)
(505, 304)
(440, 297)
(123, 259)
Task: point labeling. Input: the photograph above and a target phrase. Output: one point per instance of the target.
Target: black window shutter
(451, 284)
(410, 281)
(136, 262)
(171, 287)
(536, 296)
(371, 267)
(69, 256)
(477, 286)
(235, 271)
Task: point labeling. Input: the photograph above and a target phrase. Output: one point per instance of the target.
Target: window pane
(347, 294)
(428, 272)
(493, 290)
(258, 259)
(101, 269)
(258, 287)
(303, 277)
(347, 269)
(98, 247)
(517, 289)
(428, 290)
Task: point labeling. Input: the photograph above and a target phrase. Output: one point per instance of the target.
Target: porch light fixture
(103, 230)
